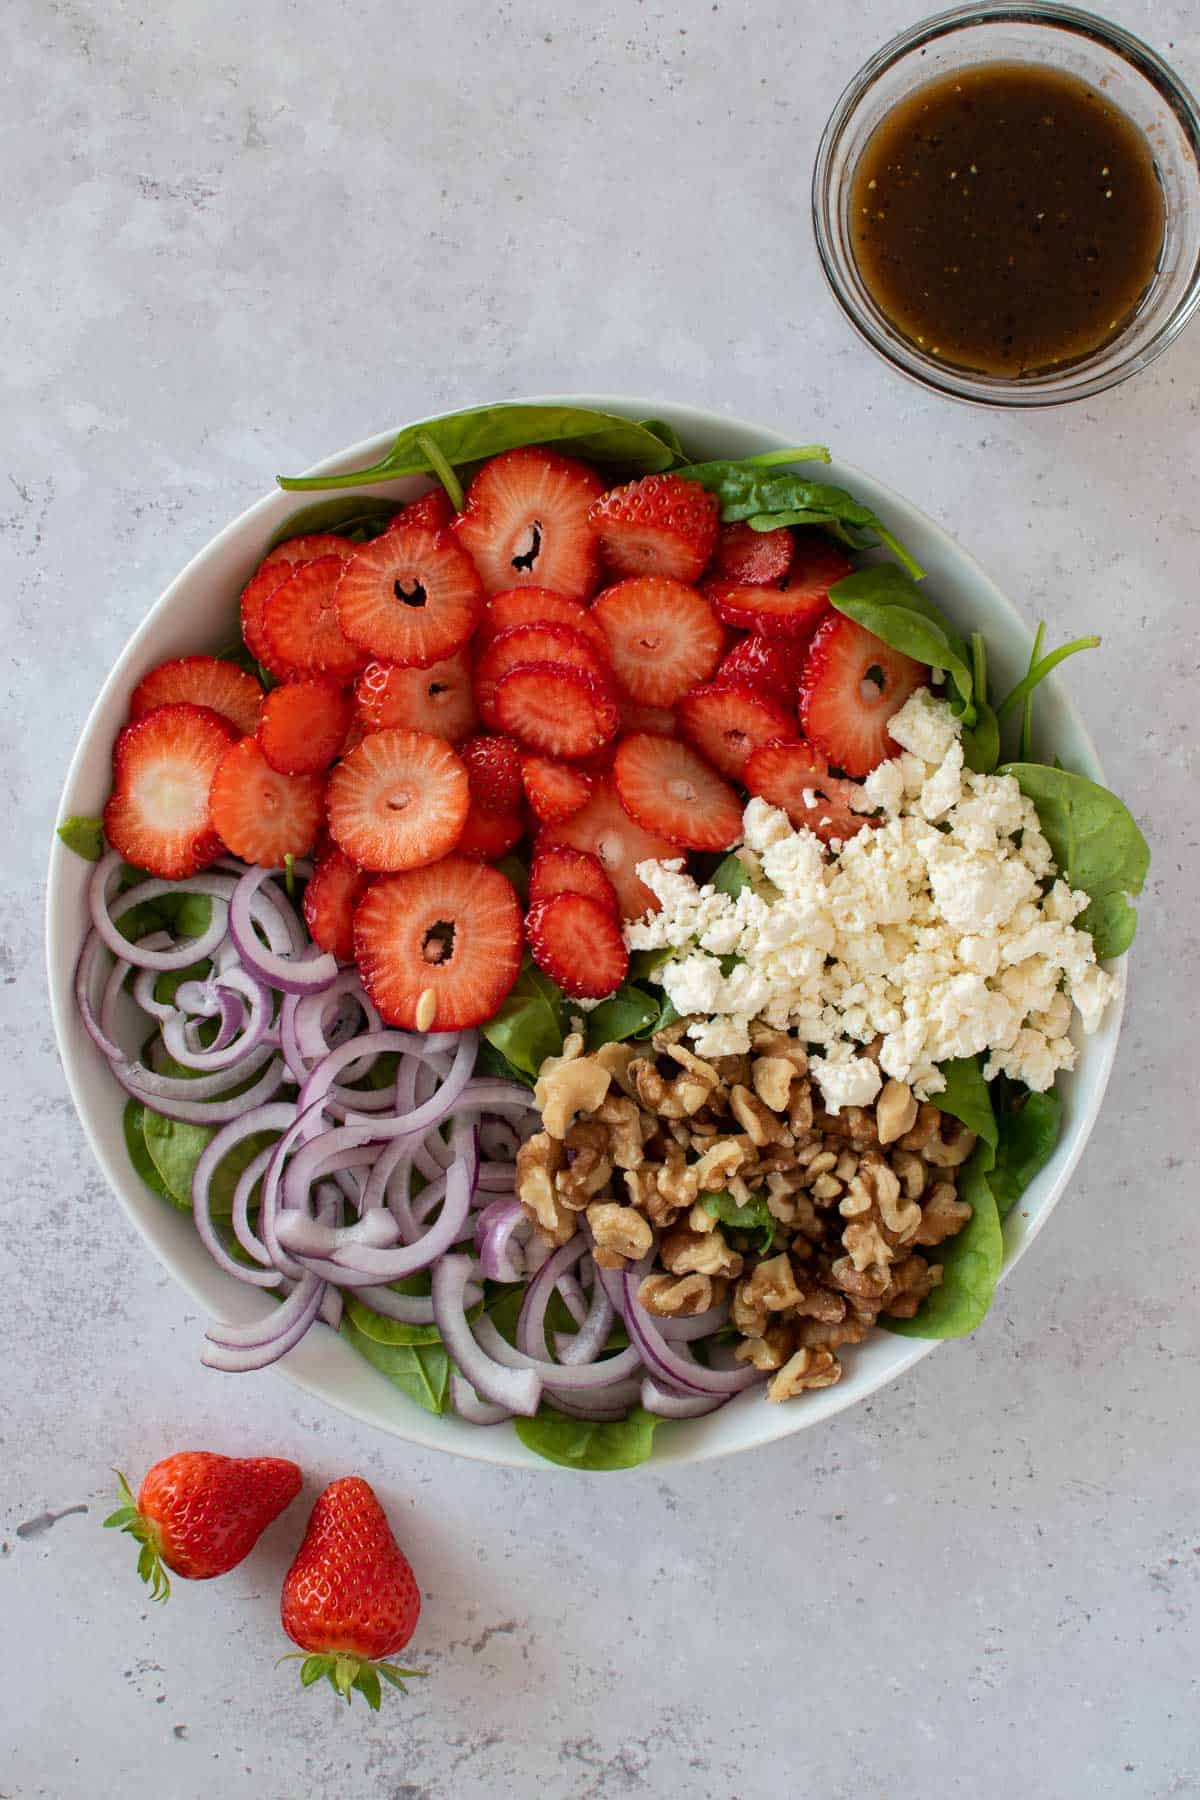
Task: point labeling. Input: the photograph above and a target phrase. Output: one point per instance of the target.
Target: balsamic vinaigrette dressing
(1006, 218)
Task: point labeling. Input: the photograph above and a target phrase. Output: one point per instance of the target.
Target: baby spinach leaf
(730, 877)
(176, 1147)
(139, 1156)
(971, 1262)
(966, 1097)
(981, 741)
(483, 431)
(383, 1330)
(357, 516)
(753, 1216)
(1097, 847)
(1039, 671)
(629, 1013)
(530, 1024)
(489, 1061)
(83, 835)
(884, 601)
(667, 434)
(422, 1371)
(1029, 1125)
(645, 964)
(582, 1444)
(1026, 749)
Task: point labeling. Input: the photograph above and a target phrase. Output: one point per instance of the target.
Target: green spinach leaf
(971, 1262)
(83, 835)
(1039, 671)
(629, 1013)
(383, 1330)
(357, 516)
(755, 1216)
(1097, 847)
(175, 1148)
(966, 1097)
(884, 601)
(645, 964)
(730, 877)
(472, 436)
(422, 1371)
(582, 1444)
(139, 1156)
(1029, 1126)
(531, 1022)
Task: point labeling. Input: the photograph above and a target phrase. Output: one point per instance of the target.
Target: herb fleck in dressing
(1007, 218)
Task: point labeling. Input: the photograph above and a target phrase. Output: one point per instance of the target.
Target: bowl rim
(970, 388)
(690, 1441)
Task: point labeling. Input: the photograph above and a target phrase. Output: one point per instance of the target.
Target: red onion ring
(262, 1118)
(674, 1366)
(469, 1406)
(669, 1405)
(591, 1377)
(106, 913)
(289, 974)
(495, 1227)
(519, 1390)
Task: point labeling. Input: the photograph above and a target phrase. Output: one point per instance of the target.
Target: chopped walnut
(895, 1111)
(676, 1099)
(679, 1296)
(759, 1124)
(619, 1231)
(718, 1164)
(912, 1282)
(568, 1085)
(806, 1369)
(772, 1077)
(941, 1139)
(616, 1058)
(686, 1252)
(770, 1351)
(771, 1287)
(942, 1216)
(624, 1121)
(588, 1169)
(538, 1162)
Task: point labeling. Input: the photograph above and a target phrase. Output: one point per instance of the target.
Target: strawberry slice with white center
(158, 814)
(791, 607)
(660, 525)
(728, 719)
(410, 596)
(306, 548)
(525, 523)
(529, 644)
(667, 788)
(577, 942)
(746, 555)
(398, 801)
(795, 776)
(772, 663)
(261, 815)
(334, 890)
(559, 869)
(852, 684)
(439, 699)
(551, 707)
(447, 936)
(605, 829)
(201, 681)
(301, 628)
(537, 606)
(663, 637)
(553, 789)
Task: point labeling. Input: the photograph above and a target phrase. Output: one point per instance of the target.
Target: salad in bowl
(596, 936)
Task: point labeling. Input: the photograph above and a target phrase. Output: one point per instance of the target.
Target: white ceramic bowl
(197, 612)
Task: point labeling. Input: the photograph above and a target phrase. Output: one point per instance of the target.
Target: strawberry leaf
(367, 1683)
(313, 1668)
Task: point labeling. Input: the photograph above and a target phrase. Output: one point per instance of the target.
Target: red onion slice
(105, 914)
(263, 1118)
(469, 1406)
(497, 1244)
(289, 974)
(591, 1377)
(607, 1407)
(586, 1344)
(675, 1366)
(669, 1405)
(238, 1360)
(519, 1390)
(146, 1086)
(690, 1330)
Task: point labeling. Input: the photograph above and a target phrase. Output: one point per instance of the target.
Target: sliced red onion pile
(339, 1206)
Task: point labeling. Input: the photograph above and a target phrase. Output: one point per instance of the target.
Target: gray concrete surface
(234, 238)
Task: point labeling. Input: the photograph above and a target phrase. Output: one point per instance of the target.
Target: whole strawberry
(200, 1514)
(350, 1598)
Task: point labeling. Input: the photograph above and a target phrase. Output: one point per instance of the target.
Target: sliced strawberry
(528, 644)
(410, 597)
(663, 638)
(604, 828)
(727, 719)
(454, 928)
(635, 717)
(261, 815)
(558, 869)
(554, 790)
(660, 525)
(556, 709)
(668, 788)
(536, 606)
(439, 699)
(398, 801)
(201, 681)
(306, 548)
(303, 725)
(494, 772)
(489, 835)
(158, 814)
(745, 555)
(300, 624)
(433, 510)
(334, 890)
(255, 594)
(577, 942)
(791, 607)
(526, 524)
(796, 777)
(852, 684)
(771, 663)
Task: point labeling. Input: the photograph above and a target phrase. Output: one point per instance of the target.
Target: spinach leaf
(1026, 749)
(184, 915)
(422, 1371)
(966, 1097)
(139, 1156)
(489, 1061)
(730, 878)
(472, 436)
(629, 1013)
(1039, 671)
(240, 657)
(971, 1262)
(531, 1022)
(754, 1216)
(981, 741)
(84, 836)
(1096, 845)
(359, 517)
(645, 964)
(1029, 1125)
(884, 601)
(175, 1148)
(581, 1444)
(383, 1330)
(667, 434)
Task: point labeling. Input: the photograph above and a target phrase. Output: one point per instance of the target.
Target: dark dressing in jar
(1006, 218)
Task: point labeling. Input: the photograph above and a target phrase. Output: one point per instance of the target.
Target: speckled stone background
(233, 238)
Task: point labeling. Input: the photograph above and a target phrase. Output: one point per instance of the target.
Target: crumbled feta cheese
(939, 930)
